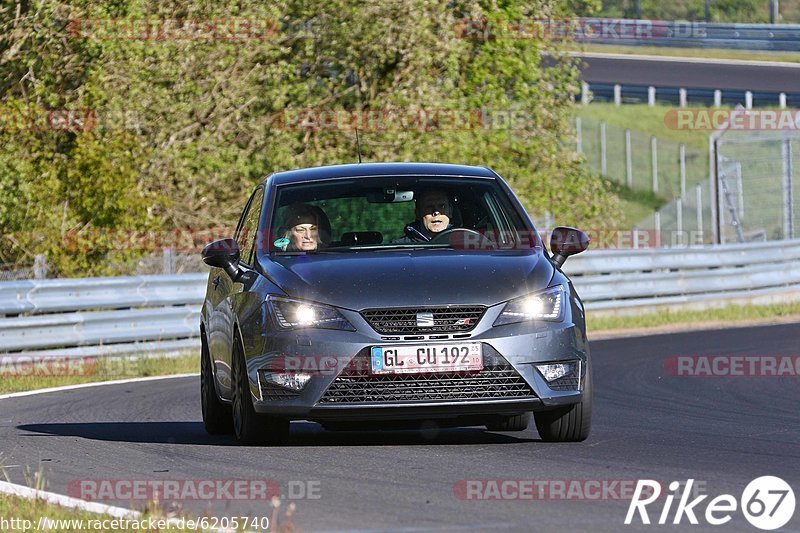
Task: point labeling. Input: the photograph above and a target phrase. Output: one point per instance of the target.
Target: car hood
(361, 280)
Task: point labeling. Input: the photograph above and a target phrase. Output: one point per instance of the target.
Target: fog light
(288, 380)
(554, 371)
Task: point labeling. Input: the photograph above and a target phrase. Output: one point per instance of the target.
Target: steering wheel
(446, 236)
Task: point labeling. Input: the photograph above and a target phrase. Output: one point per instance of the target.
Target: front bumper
(509, 384)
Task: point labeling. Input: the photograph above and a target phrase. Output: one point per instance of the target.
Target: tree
(182, 128)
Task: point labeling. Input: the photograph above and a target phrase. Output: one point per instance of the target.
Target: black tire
(250, 427)
(568, 424)
(510, 423)
(216, 415)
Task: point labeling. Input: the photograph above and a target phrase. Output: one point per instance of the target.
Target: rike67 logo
(767, 503)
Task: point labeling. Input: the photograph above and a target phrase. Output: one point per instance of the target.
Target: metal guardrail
(678, 34)
(97, 316)
(635, 281)
(101, 316)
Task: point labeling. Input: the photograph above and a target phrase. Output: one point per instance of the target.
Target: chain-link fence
(749, 193)
(758, 191)
(685, 221)
(640, 161)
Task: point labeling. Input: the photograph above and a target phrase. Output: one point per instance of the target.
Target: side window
(246, 237)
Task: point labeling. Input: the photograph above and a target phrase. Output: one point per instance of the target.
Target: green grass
(730, 314)
(636, 204)
(21, 509)
(789, 57)
(16, 378)
(643, 119)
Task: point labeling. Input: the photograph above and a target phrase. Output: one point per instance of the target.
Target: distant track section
(690, 73)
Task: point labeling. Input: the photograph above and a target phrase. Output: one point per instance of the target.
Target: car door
(223, 292)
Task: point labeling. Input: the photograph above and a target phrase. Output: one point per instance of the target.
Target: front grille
(566, 383)
(497, 381)
(448, 319)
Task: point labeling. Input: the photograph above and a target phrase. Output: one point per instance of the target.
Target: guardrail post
(748, 100)
(628, 160)
(651, 96)
(654, 162)
(657, 225)
(782, 100)
(740, 189)
(717, 98)
(617, 94)
(713, 176)
(603, 160)
(788, 222)
(169, 267)
(578, 135)
(682, 158)
(699, 193)
(40, 266)
(584, 93)
(682, 97)
(678, 221)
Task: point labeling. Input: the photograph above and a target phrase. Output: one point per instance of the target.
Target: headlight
(545, 305)
(291, 314)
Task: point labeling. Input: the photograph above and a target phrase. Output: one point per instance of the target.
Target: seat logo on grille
(425, 320)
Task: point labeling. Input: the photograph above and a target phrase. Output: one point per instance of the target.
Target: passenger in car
(307, 228)
(434, 209)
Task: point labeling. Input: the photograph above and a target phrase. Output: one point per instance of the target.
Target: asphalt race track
(708, 75)
(721, 431)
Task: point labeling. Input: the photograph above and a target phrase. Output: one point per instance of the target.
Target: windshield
(378, 213)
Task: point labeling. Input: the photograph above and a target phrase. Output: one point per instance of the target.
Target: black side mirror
(565, 242)
(223, 254)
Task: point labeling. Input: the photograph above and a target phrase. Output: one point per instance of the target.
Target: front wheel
(250, 427)
(216, 415)
(568, 424)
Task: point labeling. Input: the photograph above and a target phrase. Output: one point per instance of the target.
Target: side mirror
(223, 254)
(565, 242)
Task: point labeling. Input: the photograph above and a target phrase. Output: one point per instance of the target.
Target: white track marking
(66, 501)
(91, 384)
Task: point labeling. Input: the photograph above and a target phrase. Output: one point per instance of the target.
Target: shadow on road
(302, 434)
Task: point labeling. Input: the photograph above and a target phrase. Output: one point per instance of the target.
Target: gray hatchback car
(392, 294)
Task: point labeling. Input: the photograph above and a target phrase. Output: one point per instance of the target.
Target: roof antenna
(358, 146)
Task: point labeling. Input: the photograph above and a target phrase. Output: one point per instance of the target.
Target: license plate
(411, 359)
